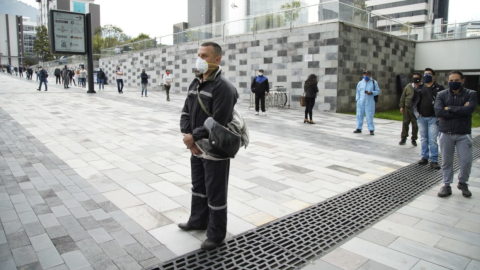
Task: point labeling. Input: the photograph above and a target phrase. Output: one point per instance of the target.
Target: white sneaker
(264, 113)
(256, 113)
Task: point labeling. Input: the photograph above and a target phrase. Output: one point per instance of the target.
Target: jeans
(84, 82)
(101, 84)
(120, 85)
(310, 101)
(464, 145)
(144, 88)
(40, 86)
(428, 132)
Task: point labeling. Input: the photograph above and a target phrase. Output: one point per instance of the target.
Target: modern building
(17, 34)
(203, 12)
(179, 28)
(81, 6)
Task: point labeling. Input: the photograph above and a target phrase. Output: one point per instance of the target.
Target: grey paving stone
(77, 233)
(162, 253)
(100, 235)
(49, 258)
(17, 240)
(41, 209)
(41, 242)
(345, 170)
(3, 237)
(60, 211)
(146, 239)
(5, 253)
(99, 214)
(31, 266)
(75, 260)
(132, 227)
(28, 217)
(293, 168)
(89, 205)
(101, 261)
(60, 267)
(150, 263)
(108, 206)
(56, 231)
(68, 221)
(8, 215)
(127, 263)
(113, 249)
(54, 201)
(64, 244)
(123, 237)
(34, 228)
(320, 265)
(6, 205)
(378, 237)
(79, 212)
(8, 265)
(89, 247)
(23, 207)
(138, 252)
(373, 265)
(48, 220)
(24, 255)
(89, 223)
(110, 225)
(272, 185)
(49, 193)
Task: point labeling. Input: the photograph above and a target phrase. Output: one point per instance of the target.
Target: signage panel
(67, 32)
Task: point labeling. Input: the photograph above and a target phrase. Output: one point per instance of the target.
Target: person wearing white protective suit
(367, 89)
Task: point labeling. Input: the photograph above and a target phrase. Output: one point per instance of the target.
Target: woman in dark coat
(311, 90)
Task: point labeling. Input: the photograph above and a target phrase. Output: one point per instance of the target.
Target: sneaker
(256, 113)
(208, 245)
(445, 191)
(357, 131)
(371, 132)
(414, 143)
(423, 161)
(264, 113)
(434, 165)
(402, 142)
(464, 188)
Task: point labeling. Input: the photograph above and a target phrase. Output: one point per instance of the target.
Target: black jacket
(43, 74)
(144, 77)
(219, 97)
(458, 118)
(417, 96)
(57, 72)
(101, 75)
(310, 91)
(260, 88)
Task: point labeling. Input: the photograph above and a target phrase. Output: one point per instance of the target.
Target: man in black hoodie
(42, 74)
(209, 177)
(261, 88)
(57, 74)
(455, 107)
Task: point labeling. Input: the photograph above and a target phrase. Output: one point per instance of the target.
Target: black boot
(357, 131)
(434, 165)
(402, 141)
(187, 227)
(445, 191)
(464, 188)
(414, 143)
(423, 161)
(208, 245)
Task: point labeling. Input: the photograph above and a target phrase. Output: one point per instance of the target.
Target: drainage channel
(291, 242)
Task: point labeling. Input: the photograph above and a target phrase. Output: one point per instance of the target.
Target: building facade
(81, 6)
(203, 12)
(17, 34)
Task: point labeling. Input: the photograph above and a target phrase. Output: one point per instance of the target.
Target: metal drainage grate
(290, 242)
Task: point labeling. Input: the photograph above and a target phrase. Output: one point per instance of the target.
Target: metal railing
(289, 19)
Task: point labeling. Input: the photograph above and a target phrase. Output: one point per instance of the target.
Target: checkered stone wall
(384, 55)
(287, 56)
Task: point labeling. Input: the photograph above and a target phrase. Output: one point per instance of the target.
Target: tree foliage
(110, 36)
(291, 11)
(268, 21)
(41, 45)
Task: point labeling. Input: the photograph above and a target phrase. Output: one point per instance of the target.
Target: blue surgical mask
(427, 78)
(454, 85)
(366, 78)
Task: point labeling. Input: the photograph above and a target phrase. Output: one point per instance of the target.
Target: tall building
(17, 34)
(81, 6)
(203, 12)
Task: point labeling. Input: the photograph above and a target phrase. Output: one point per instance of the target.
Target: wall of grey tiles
(287, 56)
(384, 55)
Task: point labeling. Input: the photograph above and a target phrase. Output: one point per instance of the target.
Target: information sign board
(68, 32)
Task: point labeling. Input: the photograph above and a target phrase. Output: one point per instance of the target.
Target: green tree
(407, 28)
(41, 45)
(360, 12)
(268, 21)
(108, 36)
(291, 11)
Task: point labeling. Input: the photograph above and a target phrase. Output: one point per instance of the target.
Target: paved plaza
(100, 181)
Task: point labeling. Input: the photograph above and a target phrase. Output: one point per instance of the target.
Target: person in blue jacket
(367, 88)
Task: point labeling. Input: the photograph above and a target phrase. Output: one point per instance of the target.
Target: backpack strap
(201, 103)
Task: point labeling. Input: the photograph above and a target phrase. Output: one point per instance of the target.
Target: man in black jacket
(42, 74)
(455, 106)
(57, 74)
(65, 77)
(261, 88)
(209, 177)
(423, 108)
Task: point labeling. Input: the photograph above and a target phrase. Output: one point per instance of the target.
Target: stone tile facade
(287, 56)
(384, 55)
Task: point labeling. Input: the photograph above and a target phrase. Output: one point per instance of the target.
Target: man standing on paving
(455, 106)
(423, 108)
(57, 74)
(406, 110)
(261, 87)
(119, 77)
(65, 77)
(42, 74)
(367, 89)
(209, 177)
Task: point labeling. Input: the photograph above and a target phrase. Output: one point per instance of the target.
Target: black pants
(309, 102)
(65, 82)
(259, 98)
(40, 86)
(120, 85)
(58, 80)
(209, 197)
(167, 90)
(408, 118)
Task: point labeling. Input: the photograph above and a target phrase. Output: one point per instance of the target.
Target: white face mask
(260, 74)
(201, 65)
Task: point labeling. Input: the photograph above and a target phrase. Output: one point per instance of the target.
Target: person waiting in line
(65, 77)
(58, 74)
(101, 80)
(16, 71)
(367, 89)
(455, 107)
(42, 74)
(20, 70)
(119, 77)
(167, 82)
(261, 87)
(144, 82)
(83, 76)
(71, 75)
(406, 110)
(423, 108)
(37, 72)
(311, 90)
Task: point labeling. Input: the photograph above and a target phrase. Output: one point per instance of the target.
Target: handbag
(302, 100)
(223, 143)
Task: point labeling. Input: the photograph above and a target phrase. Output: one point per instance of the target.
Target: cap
(367, 72)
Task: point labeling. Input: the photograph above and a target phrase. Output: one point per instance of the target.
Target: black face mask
(416, 80)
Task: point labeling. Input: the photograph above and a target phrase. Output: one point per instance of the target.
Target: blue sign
(79, 7)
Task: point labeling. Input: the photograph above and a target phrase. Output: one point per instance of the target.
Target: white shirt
(167, 79)
(118, 75)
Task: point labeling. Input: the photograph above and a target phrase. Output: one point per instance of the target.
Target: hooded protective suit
(366, 103)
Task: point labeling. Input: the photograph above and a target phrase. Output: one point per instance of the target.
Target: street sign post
(70, 33)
